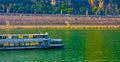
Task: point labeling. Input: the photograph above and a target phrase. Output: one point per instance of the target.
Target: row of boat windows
(17, 44)
(21, 37)
(55, 42)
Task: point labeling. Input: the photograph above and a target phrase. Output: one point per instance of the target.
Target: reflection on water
(80, 46)
(94, 49)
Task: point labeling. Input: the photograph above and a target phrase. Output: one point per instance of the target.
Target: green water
(80, 46)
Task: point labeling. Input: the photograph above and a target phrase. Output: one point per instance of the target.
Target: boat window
(20, 37)
(26, 43)
(9, 37)
(43, 36)
(31, 43)
(16, 44)
(1, 44)
(46, 37)
(55, 42)
(39, 36)
(30, 36)
(37, 43)
(21, 44)
(2, 37)
(46, 42)
(14, 37)
(6, 44)
(60, 42)
(11, 44)
(36, 36)
(25, 37)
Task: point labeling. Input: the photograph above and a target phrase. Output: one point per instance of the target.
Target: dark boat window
(22, 44)
(25, 37)
(16, 44)
(2, 37)
(56, 42)
(14, 37)
(1, 44)
(35, 36)
(39, 36)
(46, 37)
(46, 42)
(43, 36)
(60, 42)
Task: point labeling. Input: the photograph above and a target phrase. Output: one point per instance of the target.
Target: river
(90, 45)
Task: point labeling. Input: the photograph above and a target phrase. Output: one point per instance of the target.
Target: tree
(94, 10)
(9, 7)
(119, 10)
(92, 2)
(66, 8)
(82, 10)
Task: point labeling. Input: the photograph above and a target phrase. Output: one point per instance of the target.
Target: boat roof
(22, 34)
(22, 40)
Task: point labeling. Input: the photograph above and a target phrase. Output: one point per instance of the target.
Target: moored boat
(28, 41)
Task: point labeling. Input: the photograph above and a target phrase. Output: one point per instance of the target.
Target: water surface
(80, 46)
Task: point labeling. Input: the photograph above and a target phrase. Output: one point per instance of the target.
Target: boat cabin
(28, 41)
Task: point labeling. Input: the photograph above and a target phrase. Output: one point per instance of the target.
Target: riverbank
(61, 26)
(16, 21)
(26, 19)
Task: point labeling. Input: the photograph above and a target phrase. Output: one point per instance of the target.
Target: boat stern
(56, 43)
